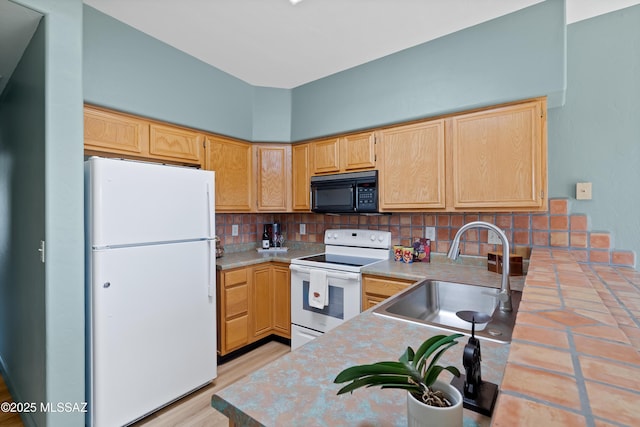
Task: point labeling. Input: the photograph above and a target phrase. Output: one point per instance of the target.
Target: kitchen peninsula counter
(298, 388)
(573, 360)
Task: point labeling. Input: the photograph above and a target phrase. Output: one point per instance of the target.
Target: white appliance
(151, 324)
(346, 253)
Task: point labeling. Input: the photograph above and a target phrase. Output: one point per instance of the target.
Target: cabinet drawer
(237, 300)
(236, 333)
(384, 287)
(232, 278)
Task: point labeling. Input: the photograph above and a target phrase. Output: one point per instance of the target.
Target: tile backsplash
(557, 228)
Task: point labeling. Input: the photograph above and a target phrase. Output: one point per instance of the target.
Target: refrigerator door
(153, 328)
(133, 202)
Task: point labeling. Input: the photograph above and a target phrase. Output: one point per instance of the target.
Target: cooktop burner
(340, 260)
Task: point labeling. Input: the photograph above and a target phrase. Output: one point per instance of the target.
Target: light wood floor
(194, 410)
(8, 419)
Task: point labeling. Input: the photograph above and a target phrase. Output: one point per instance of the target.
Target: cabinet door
(261, 309)
(273, 169)
(282, 300)
(176, 144)
(326, 156)
(359, 151)
(499, 157)
(301, 177)
(412, 166)
(231, 161)
(376, 289)
(112, 132)
(233, 309)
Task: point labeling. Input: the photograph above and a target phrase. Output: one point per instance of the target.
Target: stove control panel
(358, 238)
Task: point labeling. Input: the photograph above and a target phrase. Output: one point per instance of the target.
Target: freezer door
(153, 328)
(135, 202)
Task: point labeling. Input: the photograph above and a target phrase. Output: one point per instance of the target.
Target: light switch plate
(430, 233)
(583, 191)
(303, 228)
(493, 238)
(234, 230)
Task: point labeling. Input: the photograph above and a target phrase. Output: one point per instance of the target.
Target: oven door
(344, 299)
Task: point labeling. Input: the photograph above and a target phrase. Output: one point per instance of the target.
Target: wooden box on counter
(494, 263)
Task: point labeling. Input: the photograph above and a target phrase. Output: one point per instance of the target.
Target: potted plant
(437, 403)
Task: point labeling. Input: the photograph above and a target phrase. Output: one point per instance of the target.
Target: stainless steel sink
(435, 303)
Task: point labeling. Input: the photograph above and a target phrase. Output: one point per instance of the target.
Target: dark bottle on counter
(266, 240)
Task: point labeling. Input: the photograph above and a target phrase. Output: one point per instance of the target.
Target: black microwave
(355, 192)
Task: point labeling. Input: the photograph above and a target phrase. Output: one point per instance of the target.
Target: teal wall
(271, 115)
(595, 136)
(588, 70)
(42, 142)
(130, 71)
(517, 56)
(22, 297)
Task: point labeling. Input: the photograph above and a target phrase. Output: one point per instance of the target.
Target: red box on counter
(422, 249)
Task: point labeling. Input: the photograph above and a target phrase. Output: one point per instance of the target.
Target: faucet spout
(505, 289)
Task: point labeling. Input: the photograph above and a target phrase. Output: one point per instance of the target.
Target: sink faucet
(505, 290)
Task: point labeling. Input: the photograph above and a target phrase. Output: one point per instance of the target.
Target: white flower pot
(422, 415)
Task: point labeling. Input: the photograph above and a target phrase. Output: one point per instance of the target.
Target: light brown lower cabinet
(376, 289)
(253, 303)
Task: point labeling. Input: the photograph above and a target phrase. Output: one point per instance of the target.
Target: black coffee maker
(276, 232)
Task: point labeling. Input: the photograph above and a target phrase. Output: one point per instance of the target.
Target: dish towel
(318, 289)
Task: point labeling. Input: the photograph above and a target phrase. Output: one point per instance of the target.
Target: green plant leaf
(433, 343)
(411, 372)
(384, 381)
(359, 371)
(437, 356)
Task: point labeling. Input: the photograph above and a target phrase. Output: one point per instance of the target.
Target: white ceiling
(276, 44)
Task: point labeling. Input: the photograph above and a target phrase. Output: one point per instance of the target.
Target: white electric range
(347, 251)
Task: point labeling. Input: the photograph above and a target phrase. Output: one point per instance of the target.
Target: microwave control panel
(366, 198)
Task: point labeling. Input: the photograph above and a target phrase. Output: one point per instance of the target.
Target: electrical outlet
(493, 238)
(430, 233)
(303, 228)
(583, 191)
(234, 230)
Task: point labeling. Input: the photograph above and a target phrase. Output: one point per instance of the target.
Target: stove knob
(380, 238)
(373, 237)
(335, 235)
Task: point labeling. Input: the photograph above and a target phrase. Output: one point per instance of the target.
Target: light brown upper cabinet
(111, 132)
(499, 158)
(108, 132)
(301, 165)
(231, 161)
(273, 177)
(344, 154)
(359, 151)
(412, 166)
(174, 143)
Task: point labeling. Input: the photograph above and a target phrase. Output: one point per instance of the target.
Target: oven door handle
(330, 274)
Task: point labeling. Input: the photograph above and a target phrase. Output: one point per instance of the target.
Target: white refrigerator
(151, 309)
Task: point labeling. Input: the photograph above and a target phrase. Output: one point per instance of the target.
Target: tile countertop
(573, 361)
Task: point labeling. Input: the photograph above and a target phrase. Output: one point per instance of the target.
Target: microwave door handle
(354, 198)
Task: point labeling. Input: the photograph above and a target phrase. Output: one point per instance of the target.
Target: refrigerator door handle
(210, 207)
(211, 279)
